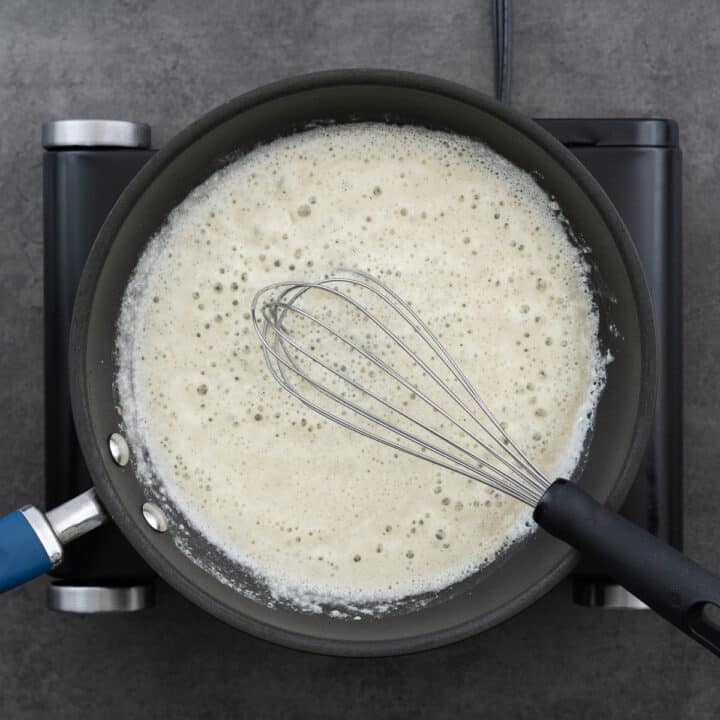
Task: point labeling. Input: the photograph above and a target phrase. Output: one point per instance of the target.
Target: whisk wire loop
(291, 364)
(507, 468)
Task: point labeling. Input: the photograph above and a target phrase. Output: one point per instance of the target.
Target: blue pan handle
(24, 552)
(31, 542)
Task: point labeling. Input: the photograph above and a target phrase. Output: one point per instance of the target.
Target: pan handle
(674, 586)
(31, 542)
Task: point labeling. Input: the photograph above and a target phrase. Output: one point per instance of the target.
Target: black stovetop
(636, 161)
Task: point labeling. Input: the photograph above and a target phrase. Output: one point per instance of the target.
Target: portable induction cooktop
(87, 163)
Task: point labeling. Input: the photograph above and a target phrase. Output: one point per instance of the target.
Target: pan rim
(84, 303)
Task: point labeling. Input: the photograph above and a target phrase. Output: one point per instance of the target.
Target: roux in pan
(320, 513)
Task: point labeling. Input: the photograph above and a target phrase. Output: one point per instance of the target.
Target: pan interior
(270, 483)
(530, 567)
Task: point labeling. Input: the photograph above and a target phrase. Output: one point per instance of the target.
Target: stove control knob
(70, 597)
(64, 134)
(604, 594)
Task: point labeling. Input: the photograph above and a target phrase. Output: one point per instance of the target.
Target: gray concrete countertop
(168, 62)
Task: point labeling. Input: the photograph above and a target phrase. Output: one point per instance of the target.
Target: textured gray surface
(167, 62)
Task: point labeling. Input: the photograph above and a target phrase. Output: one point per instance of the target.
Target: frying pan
(31, 542)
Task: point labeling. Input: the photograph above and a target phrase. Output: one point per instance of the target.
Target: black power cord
(502, 14)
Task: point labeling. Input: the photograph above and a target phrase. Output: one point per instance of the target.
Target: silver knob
(95, 133)
(605, 594)
(63, 596)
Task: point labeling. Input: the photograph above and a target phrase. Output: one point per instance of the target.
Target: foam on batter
(483, 255)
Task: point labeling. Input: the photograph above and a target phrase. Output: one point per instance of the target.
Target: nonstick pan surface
(532, 566)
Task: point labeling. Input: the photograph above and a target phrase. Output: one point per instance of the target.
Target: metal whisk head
(357, 354)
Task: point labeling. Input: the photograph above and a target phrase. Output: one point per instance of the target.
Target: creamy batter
(478, 249)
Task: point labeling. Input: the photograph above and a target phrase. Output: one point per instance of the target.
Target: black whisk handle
(664, 579)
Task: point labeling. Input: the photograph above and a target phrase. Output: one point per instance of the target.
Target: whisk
(350, 349)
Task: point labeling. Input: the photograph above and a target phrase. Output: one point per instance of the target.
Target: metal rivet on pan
(119, 449)
(154, 517)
